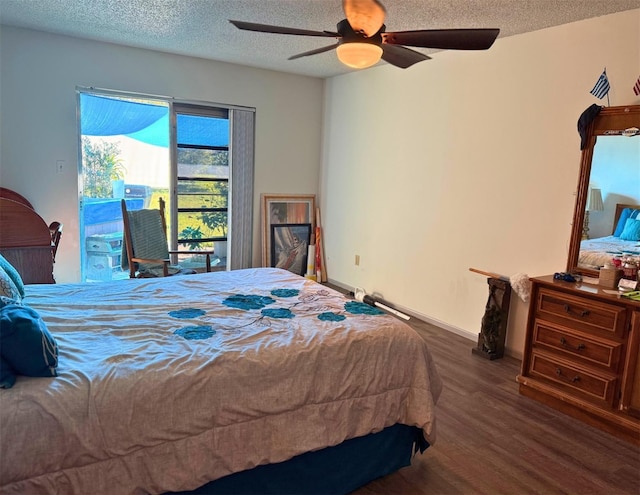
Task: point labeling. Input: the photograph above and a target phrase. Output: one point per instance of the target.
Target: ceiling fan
(362, 39)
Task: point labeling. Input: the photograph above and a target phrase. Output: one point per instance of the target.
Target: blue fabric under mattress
(334, 470)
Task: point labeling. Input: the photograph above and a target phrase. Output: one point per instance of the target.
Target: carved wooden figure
(494, 322)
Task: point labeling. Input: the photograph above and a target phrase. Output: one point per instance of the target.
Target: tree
(198, 162)
(217, 220)
(191, 233)
(100, 165)
(203, 157)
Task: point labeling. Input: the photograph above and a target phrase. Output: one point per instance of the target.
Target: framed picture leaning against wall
(278, 209)
(290, 246)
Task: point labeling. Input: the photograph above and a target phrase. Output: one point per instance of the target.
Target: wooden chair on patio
(145, 249)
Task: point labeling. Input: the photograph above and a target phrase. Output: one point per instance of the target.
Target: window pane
(197, 261)
(203, 194)
(202, 225)
(202, 131)
(208, 164)
(195, 246)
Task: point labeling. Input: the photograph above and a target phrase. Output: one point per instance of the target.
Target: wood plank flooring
(491, 440)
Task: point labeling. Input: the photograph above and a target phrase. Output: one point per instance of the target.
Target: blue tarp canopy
(203, 131)
(105, 116)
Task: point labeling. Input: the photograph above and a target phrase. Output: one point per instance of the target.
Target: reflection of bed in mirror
(594, 253)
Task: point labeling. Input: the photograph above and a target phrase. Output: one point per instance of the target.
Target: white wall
(467, 160)
(39, 74)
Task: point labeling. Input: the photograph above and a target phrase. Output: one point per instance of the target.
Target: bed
(176, 384)
(594, 253)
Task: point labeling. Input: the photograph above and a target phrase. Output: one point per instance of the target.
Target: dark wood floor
(491, 440)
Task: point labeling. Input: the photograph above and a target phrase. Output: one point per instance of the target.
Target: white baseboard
(419, 316)
(433, 321)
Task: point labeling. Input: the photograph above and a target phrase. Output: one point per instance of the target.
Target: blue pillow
(7, 378)
(624, 216)
(25, 342)
(4, 301)
(631, 230)
(7, 287)
(13, 274)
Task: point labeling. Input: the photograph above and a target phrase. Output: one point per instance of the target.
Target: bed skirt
(339, 469)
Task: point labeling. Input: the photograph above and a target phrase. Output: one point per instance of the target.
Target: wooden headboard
(55, 228)
(9, 194)
(26, 240)
(619, 208)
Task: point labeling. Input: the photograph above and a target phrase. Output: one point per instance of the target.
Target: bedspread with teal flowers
(166, 383)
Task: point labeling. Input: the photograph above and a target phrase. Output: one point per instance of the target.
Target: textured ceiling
(200, 28)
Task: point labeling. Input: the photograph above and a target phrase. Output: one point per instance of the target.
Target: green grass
(192, 220)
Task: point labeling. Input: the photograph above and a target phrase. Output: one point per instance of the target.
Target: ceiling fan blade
(402, 57)
(446, 39)
(364, 16)
(265, 28)
(314, 52)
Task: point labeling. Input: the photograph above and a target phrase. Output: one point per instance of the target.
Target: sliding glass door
(202, 180)
(191, 154)
(124, 155)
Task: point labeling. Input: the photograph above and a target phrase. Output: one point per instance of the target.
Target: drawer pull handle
(566, 345)
(573, 380)
(581, 314)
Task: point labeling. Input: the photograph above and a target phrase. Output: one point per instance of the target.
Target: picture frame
(278, 209)
(290, 246)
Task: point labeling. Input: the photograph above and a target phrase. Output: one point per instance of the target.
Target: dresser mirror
(608, 183)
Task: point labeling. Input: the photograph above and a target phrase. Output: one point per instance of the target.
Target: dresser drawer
(574, 379)
(581, 313)
(576, 346)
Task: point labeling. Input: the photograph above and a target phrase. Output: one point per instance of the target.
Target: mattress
(166, 384)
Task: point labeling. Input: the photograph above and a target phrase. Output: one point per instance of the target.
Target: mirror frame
(611, 121)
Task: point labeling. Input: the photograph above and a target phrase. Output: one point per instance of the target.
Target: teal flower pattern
(360, 308)
(196, 332)
(329, 316)
(187, 313)
(242, 301)
(278, 313)
(285, 292)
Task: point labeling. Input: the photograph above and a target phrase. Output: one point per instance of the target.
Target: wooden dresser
(581, 355)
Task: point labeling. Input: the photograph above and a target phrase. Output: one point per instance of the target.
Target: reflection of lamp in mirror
(594, 203)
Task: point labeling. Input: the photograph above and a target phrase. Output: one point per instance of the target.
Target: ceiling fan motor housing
(348, 35)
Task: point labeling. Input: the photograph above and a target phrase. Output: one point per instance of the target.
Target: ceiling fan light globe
(359, 55)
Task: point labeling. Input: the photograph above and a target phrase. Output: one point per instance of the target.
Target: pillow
(7, 378)
(631, 230)
(4, 300)
(624, 216)
(13, 274)
(25, 342)
(7, 287)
